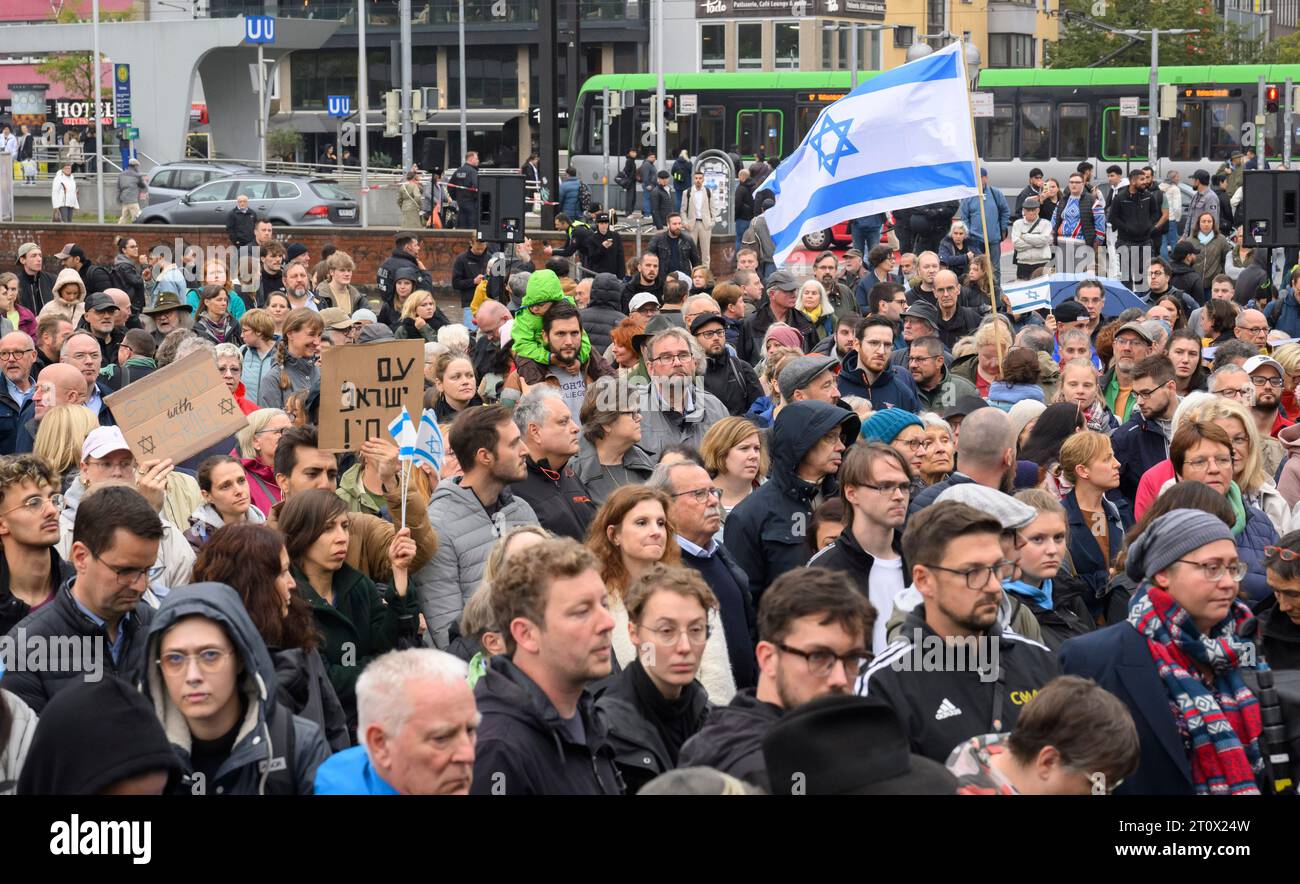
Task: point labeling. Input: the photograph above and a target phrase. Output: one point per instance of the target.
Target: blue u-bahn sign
(339, 105)
(259, 28)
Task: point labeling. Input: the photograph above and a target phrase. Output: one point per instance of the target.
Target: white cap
(103, 441)
(364, 315)
(640, 299)
(1256, 362)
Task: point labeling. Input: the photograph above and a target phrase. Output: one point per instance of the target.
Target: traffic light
(670, 108)
(1270, 99)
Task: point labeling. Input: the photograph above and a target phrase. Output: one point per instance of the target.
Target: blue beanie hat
(884, 426)
(1169, 538)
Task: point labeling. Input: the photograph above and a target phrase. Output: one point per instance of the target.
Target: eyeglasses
(1216, 570)
(1275, 383)
(128, 576)
(1254, 330)
(672, 358)
(36, 503)
(669, 636)
(1282, 553)
(978, 577)
(1223, 462)
(14, 355)
(711, 333)
(1235, 392)
(912, 359)
(120, 467)
(1145, 394)
(917, 444)
(821, 663)
(701, 495)
(229, 369)
(278, 431)
(210, 660)
(889, 489)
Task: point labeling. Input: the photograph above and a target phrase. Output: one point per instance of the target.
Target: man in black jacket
(1133, 212)
(405, 254)
(779, 307)
(730, 378)
(96, 277)
(465, 192)
(1279, 613)
(603, 248)
(648, 278)
(35, 285)
(955, 673)
(813, 631)
(240, 222)
(562, 503)
(627, 180)
(661, 200)
(114, 545)
(876, 485)
(31, 570)
(539, 734)
(467, 271)
(604, 311)
(677, 252)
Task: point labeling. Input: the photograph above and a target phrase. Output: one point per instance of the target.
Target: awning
(480, 118)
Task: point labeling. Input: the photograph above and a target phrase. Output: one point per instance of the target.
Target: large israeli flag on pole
(901, 139)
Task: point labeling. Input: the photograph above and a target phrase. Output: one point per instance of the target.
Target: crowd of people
(854, 532)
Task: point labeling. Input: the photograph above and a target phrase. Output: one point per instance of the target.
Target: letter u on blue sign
(339, 105)
(259, 29)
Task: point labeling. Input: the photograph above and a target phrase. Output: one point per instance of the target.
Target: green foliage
(380, 160)
(1285, 50)
(284, 143)
(1082, 45)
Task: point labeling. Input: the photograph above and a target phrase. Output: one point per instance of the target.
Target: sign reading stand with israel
(901, 139)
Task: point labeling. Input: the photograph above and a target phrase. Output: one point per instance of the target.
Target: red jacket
(262, 488)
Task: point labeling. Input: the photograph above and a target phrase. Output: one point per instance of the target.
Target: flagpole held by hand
(984, 224)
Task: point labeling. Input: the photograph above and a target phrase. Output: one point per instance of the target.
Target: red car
(837, 237)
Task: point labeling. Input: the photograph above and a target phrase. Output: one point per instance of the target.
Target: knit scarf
(1238, 509)
(1097, 417)
(1223, 726)
(1039, 595)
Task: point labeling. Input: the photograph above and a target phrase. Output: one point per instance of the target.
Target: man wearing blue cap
(999, 217)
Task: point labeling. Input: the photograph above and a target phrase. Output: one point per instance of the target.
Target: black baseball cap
(100, 302)
(1069, 311)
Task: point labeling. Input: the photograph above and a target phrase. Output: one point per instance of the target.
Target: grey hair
(433, 349)
(958, 223)
(28, 339)
(257, 422)
(932, 421)
(193, 343)
(228, 350)
(662, 478)
(532, 407)
(381, 687)
(1036, 337)
(685, 337)
(455, 337)
(65, 349)
(518, 283)
(713, 306)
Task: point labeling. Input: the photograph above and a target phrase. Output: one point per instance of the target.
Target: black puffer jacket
(524, 748)
(1281, 637)
(562, 503)
(732, 739)
(600, 317)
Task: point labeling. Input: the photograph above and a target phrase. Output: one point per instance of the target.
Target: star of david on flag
(839, 132)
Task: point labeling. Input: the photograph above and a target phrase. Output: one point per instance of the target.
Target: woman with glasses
(257, 443)
(608, 454)
(905, 433)
(1202, 451)
(230, 365)
(226, 501)
(252, 559)
(1095, 525)
(356, 619)
(655, 704)
(1177, 659)
(736, 458)
(206, 673)
(630, 534)
(59, 438)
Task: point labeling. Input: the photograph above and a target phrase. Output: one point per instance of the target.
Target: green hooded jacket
(526, 332)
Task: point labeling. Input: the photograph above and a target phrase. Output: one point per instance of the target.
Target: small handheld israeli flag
(430, 447)
(404, 434)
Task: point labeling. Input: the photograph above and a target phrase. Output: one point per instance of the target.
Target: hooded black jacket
(732, 739)
(562, 503)
(733, 381)
(971, 706)
(1281, 637)
(463, 271)
(767, 532)
(604, 312)
(62, 618)
(386, 278)
(640, 750)
(523, 747)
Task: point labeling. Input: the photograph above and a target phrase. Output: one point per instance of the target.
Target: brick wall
(367, 246)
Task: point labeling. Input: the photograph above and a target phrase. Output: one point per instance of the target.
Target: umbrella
(1118, 296)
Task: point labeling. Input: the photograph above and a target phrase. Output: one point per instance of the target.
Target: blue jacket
(1085, 558)
(569, 198)
(995, 208)
(1139, 445)
(1003, 395)
(1284, 315)
(11, 418)
(894, 388)
(1117, 658)
(350, 773)
(1258, 533)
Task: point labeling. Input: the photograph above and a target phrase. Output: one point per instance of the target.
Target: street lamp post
(464, 135)
(363, 98)
(853, 28)
(1153, 85)
(99, 121)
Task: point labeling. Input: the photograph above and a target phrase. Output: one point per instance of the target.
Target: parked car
(838, 237)
(290, 200)
(173, 180)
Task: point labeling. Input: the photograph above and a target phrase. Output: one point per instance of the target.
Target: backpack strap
(282, 779)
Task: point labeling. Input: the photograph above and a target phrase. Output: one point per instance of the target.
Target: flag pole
(984, 224)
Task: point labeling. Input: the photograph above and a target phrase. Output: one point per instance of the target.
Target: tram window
(996, 134)
(1072, 132)
(1273, 130)
(759, 129)
(710, 124)
(1121, 137)
(1226, 119)
(595, 128)
(1035, 131)
(1185, 132)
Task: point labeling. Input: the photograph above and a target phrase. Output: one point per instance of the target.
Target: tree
(284, 143)
(1082, 45)
(74, 71)
(1285, 50)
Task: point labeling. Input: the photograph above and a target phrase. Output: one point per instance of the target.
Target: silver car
(174, 180)
(295, 201)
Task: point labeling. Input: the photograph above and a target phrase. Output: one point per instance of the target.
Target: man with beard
(867, 372)
(826, 271)
(730, 378)
(297, 288)
(100, 322)
(813, 629)
(647, 279)
(954, 671)
(1132, 344)
(1266, 374)
(986, 455)
(936, 387)
(927, 265)
(1143, 440)
(677, 410)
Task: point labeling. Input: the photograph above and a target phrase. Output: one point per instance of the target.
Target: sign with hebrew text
(364, 386)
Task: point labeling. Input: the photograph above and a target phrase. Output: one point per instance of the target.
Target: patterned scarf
(1097, 417)
(1223, 726)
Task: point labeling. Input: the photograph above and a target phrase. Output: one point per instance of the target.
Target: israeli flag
(901, 139)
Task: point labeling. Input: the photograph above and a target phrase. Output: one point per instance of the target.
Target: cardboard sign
(1029, 296)
(364, 386)
(177, 411)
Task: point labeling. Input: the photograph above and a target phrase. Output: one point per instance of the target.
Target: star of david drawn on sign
(227, 406)
(837, 133)
(147, 444)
